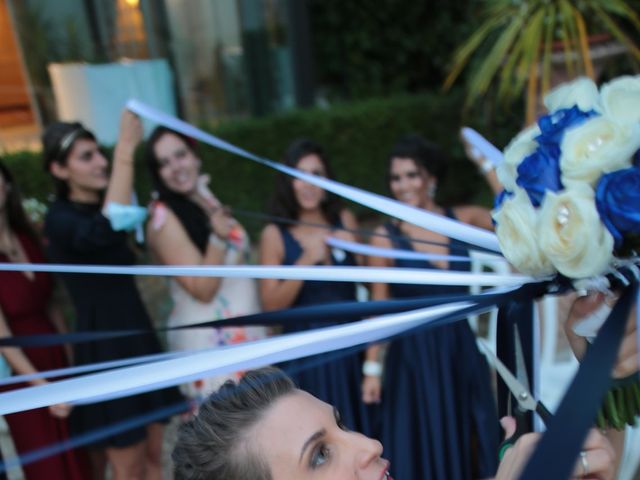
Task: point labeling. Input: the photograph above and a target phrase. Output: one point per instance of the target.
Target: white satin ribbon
(417, 276)
(91, 367)
(369, 250)
(431, 221)
(155, 375)
(482, 146)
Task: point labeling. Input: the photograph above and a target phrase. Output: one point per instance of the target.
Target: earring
(431, 190)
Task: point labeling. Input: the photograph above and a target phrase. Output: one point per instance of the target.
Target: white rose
(597, 146)
(582, 92)
(571, 234)
(519, 148)
(621, 99)
(515, 227)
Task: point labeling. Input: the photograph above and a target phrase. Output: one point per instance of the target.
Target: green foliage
(370, 48)
(357, 136)
(515, 40)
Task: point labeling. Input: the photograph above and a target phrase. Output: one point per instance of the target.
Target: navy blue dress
(439, 419)
(78, 233)
(338, 381)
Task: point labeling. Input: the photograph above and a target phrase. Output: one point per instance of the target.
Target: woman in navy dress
(439, 417)
(335, 381)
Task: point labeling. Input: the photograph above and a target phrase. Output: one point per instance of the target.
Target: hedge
(357, 136)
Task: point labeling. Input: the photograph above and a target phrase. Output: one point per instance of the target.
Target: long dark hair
(191, 216)
(215, 444)
(17, 217)
(284, 203)
(57, 142)
(424, 153)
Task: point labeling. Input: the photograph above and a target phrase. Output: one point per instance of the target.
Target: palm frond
(481, 79)
(620, 8)
(463, 54)
(531, 37)
(618, 33)
(584, 44)
(548, 41)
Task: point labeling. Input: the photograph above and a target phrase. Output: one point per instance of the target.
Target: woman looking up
(245, 431)
(79, 232)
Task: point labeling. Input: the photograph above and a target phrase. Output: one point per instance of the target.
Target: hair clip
(67, 141)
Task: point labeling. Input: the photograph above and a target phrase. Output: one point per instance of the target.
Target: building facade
(229, 58)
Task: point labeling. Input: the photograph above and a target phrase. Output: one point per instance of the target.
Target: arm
(172, 245)
(476, 216)
(371, 384)
(21, 364)
(277, 294)
(121, 182)
(487, 170)
(349, 222)
(58, 320)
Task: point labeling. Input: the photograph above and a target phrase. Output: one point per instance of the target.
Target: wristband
(372, 369)
(217, 242)
(486, 166)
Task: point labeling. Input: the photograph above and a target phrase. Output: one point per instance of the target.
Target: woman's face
(86, 171)
(309, 197)
(408, 182)
(178, 165)
(302, 438)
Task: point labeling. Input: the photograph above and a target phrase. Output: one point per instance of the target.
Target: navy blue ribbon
(330, 313)
(556, 453)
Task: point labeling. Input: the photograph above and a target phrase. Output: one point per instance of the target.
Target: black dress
(337, 381)
(439, 418)
(79, 234)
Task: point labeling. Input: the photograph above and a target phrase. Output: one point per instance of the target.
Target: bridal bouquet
(571, 202)
(571, 199)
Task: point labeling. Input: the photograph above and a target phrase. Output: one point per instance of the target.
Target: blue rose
(540, 172)
(618, 202)
(554, 124)
(500, 198)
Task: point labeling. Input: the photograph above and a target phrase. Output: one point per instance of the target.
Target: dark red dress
(24, 303)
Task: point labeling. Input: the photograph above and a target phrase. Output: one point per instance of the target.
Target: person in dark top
(334, 381)
(79, 232)
(439, 418)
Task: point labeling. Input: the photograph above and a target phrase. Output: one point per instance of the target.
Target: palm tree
(522, 35)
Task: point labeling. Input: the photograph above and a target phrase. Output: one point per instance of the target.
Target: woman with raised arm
(83, 226)
(437, 372)
(189, 226)
(315, 215)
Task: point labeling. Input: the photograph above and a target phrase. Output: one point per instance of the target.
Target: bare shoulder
(270, 233)
(162, 222)
(271, 245)
(474, 215)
